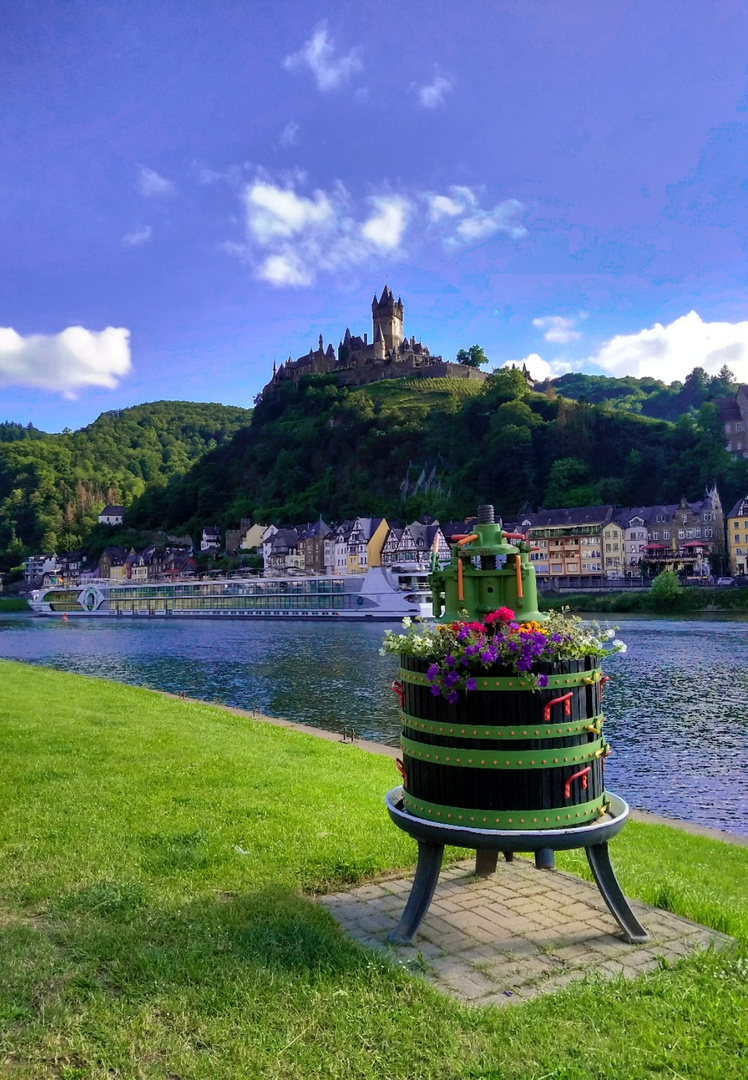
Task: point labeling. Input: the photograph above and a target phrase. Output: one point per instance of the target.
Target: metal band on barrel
(557, 818)
(556, 758)
(482, 731)
(512, 682)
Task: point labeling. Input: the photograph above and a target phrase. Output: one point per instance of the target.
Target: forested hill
(52, 487)
(401, 448)
(648, 397)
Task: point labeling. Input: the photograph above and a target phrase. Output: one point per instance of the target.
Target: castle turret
(387, 314)
(379, 343)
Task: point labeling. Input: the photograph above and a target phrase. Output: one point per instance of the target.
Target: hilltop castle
(388, 355)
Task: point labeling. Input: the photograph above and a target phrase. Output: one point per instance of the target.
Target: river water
(676, 708)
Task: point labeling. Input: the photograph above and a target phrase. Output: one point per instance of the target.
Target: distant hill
(404, 447)
(647, 397)
(52, 487)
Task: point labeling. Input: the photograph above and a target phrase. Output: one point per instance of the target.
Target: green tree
(473, 357)
(666, 591)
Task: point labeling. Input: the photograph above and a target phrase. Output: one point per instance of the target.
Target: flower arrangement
(458, 650)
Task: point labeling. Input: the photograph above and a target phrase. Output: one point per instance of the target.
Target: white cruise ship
(377, 594)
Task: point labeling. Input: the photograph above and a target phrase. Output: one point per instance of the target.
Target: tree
(666, 591)
(472, 357)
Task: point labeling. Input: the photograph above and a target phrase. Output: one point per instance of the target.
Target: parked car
(725, 581)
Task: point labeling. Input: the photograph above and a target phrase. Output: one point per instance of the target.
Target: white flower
(407, 621)
(620, 646)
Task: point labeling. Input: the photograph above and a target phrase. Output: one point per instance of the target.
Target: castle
(388, 355)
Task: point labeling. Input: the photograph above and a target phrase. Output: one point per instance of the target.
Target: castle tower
(387, 314)
(379, 342)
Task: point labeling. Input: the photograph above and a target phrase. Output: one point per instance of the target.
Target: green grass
(13, 603)
(156, 863)
(690, 600)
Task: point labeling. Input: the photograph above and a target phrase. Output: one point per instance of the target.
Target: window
(689, 534)
(608, 562)
(666, 534)
(684, 518)
(738, 551)
(735, 524)
(707, 517)
(655, 536)
(607, 547)
(556, 568)
(708, 532)
(681, 534)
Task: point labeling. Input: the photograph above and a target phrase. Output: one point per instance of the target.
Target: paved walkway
(519, 933)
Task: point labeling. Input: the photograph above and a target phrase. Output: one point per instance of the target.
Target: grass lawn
(156, 861)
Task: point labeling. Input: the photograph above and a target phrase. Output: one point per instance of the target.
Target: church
(389, 355)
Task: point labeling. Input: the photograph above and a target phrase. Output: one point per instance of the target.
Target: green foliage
(666, 590)
(472, 357)
(649, 397)
(52, 487)
(340, 451)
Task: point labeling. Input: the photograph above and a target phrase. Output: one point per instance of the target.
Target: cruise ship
(378, 594)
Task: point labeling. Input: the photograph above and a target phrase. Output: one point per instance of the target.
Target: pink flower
(503, 614)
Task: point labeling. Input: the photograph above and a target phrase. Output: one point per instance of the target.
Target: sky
(188, 190)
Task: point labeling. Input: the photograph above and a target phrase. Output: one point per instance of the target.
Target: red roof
(654, 545)
(694, 543)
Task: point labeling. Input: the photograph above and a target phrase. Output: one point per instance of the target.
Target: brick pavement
(516, 934)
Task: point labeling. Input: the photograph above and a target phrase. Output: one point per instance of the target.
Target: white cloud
(138, 236)
(291, 238)
(384, 229)
(541, 369)
(671, 352)
(290, 135)
(151, 184)
(461, 220)
(558, 329)
(65, 362)
(432, 94)
(279, 212)
(318, 55)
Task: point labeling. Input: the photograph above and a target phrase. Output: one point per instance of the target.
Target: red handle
(583, 774)
(603, 680)
(401, 770)
(398, 688)
(514, 536)
(557, 701)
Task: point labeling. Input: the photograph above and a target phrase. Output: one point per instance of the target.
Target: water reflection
(676, 705)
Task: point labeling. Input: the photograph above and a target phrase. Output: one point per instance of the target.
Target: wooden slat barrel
(504, 755)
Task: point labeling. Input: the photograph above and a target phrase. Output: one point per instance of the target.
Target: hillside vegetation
(649, 397)
(401, 448)
(52, 487)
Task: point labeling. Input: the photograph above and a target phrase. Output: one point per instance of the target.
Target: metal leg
(607, 882)
(422, 891)
(485, 862)
(508, 856)
(545, 859)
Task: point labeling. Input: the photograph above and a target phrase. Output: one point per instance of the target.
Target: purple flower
(449, 661)
(450, 678)
(432, 672)
(452, 697)
(470, 684)
(542, 681)
(435, 691)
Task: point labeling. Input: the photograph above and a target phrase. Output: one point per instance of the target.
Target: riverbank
(10, 604)
(687, 601)
(158, 859)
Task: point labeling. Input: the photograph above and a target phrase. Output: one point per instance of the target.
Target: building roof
(571, 517)
(112, 511)
(740, 509)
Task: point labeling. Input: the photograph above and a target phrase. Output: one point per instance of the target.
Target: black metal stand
(432, 838)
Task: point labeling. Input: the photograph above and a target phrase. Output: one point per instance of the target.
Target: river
(676, 708)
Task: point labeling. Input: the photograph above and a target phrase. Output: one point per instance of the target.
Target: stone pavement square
(516, 934)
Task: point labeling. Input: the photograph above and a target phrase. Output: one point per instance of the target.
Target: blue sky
(187, 190)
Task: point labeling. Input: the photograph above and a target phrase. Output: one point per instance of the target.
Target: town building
(317, 546)
(112, 515)
(389, 355)
(688, 538)
(734, 413)
(211, 538)
(569, 542)
(737, 538)
(365, 541)
(112, 563)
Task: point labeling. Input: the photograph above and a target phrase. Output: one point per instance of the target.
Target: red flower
(478, 627)
(504, 614)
